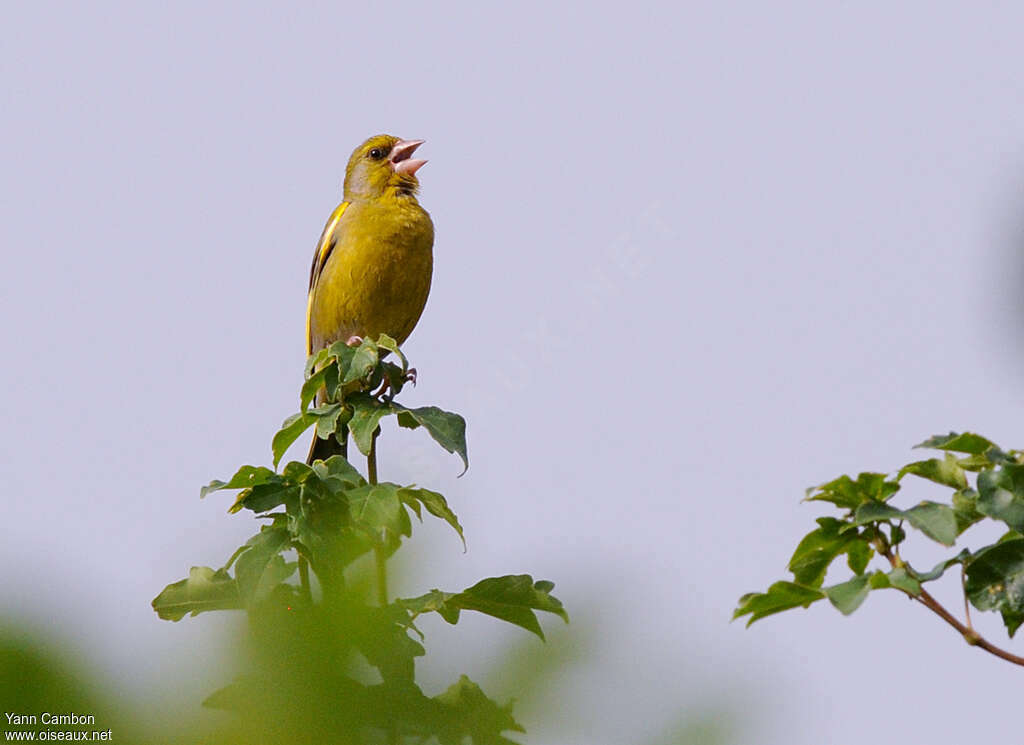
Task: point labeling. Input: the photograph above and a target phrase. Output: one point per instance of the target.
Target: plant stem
(967, 605)
(971, 636)
(381, 559)
(371, 459)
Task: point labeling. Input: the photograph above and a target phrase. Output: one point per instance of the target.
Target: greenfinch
(373, 263)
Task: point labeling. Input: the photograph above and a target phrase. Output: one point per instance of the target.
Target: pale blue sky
(690, 259)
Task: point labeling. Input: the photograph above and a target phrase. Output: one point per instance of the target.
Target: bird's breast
(378, 276)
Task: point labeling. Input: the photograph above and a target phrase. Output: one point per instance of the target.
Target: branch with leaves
(870, 528)
(325, 516)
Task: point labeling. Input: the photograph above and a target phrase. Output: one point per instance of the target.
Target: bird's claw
(386, 392)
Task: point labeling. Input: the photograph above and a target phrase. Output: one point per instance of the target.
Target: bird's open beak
(401, 159)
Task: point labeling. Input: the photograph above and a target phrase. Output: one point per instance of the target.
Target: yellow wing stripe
(323, 250)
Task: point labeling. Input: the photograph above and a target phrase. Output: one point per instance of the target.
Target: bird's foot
(387, 391)
(354, 341)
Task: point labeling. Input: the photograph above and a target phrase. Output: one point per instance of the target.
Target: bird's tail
(321, 449)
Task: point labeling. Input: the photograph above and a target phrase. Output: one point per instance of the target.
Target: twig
(967, 605)
(971, 636)
(371, 459)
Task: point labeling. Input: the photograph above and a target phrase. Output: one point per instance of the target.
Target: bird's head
(382, 162)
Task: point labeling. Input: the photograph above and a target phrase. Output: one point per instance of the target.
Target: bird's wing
(323, 249)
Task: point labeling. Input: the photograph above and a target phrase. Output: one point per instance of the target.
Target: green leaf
(1001, 495)
(901, 580)
(386, 342)
(858, 555)
(995, 577)
(311, 387)
(246, 476)
(998, 457)
(946, 471)
(936, 521)
(340, 355)
(327, 419)
(337, 467)
(512, 598)
(847, 596)
(332, 382)
(1012, 621)
(939, 569)
(846, 493)
(366, 416)
(274, 574)
(396, 378)
(381, 634)
(297, 471)
(204, 590)
(433, 601)
(781, 596)
(264, 489)
(362, 363)
(260, 567)
(377, 508)
(472, 715)
(266, 497)
(965, 509)
(995, 581)
(816, 551)
(405, 419)
(325, 536)
(314, 361)
(878, 580)
(447, 429)
(436, 505)
(290, 431)
(898, 578)
(967, 442)
(975, 462)
(275, 491)
(871, 512)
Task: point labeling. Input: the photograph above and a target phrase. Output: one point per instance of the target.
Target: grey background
(690, 259)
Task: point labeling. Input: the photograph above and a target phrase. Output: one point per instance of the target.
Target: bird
(373, 264)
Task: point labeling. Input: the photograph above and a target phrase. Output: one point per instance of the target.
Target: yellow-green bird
(373, 263)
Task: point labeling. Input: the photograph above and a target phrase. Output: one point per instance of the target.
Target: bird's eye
(376, 153)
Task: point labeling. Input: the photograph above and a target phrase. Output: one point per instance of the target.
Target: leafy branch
(321, 518)
(992, 577)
